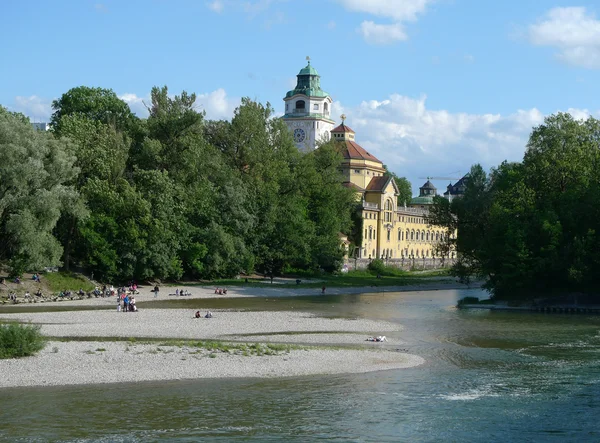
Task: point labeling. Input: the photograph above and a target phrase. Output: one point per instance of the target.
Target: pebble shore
(107, 361)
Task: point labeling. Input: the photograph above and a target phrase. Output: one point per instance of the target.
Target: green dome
(422, 200)
(309, 70)
(309, 83)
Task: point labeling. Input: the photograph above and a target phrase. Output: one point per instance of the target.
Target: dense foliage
(20, 340)
(167, 196)
(533, 227)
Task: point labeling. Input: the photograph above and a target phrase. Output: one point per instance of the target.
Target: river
(489, 376)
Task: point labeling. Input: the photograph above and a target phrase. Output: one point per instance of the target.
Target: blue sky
(430, 86)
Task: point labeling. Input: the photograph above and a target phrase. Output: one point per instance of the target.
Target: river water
(489, 376)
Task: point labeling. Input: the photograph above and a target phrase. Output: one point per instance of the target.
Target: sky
(430, 86)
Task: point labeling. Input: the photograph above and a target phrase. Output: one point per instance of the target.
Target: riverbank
(146, 293)
(321, 346)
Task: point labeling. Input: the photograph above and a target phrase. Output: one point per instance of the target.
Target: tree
(98, 104)
(34, 175)
(531, 227)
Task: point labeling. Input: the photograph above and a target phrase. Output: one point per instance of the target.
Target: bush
(377, 267)
(18, 340)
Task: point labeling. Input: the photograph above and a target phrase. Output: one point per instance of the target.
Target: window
(365, 234)
(370, 234)
(399, 235)
(325, 107)
(422, 235)
(316, 107)
(300, 104)
(389, 233)
(374, 235)
(388, 211)
(412, 235)
(427, 235)
(357, 171)
(287, 106)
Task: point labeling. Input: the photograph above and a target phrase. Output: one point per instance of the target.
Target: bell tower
(308, 110)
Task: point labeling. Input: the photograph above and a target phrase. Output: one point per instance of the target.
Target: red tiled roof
(342, 128)
(353, 150)
(378, 183)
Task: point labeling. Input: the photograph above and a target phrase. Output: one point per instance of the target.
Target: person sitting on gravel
(197, 314)
(39, 293)
(132, 306)
(27, 295)
(208, 315)
(224, 291)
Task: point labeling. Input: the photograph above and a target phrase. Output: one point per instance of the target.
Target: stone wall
(404, 263)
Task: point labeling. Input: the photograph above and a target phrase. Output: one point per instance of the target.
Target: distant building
(457, 189)
(41, 126)
(389, 230)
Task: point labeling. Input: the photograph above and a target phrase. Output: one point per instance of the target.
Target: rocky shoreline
(114, 350)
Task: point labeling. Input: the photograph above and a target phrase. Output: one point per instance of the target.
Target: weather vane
(343, 117)
(308, 59)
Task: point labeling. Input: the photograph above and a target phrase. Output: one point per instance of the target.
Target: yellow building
(390, 231)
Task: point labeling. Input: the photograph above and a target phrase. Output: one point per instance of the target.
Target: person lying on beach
(379, 338)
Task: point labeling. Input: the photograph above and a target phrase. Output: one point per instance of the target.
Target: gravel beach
(105, 361)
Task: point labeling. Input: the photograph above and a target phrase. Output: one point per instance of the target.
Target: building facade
(389, 231)
(308, 110)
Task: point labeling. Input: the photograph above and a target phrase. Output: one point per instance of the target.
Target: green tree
(34, 175)
(98, 104)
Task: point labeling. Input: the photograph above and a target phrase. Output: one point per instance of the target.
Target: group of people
(379, 338)
(221, 291)
(208, 314)
(183, 292)
(126, 303)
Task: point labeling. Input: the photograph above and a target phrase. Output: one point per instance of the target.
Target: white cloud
(136, 104)
(381, 34)
(398, 11)
(573, 32)
(36, 108)
(216, 6)
(415, 141)
(217, 104)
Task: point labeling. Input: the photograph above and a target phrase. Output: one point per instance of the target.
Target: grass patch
(17, 340)
(67, 281)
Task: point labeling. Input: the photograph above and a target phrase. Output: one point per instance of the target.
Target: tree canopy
(533, 227)
(172, 194)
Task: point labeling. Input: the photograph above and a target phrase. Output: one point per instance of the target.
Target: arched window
(437, 236)
(422, 235)
(389, 234)
(427, 235)
(365, 234)
(326, 108)
(418, 234)
(412, 235)
(406, 237)
(417, 253)
(399, 235)
(300, 104)
(428, 253)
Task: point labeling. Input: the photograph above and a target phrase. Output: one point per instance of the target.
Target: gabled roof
(352, 150)
(343, 128)
(378, 184)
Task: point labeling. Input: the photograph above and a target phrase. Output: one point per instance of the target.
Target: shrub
(376, 267)
(18, 340)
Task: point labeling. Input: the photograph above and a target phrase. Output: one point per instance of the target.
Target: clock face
(299, 135)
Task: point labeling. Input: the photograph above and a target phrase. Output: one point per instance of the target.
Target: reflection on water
(489, 376)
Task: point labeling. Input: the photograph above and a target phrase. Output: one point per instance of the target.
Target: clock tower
(308, 110)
